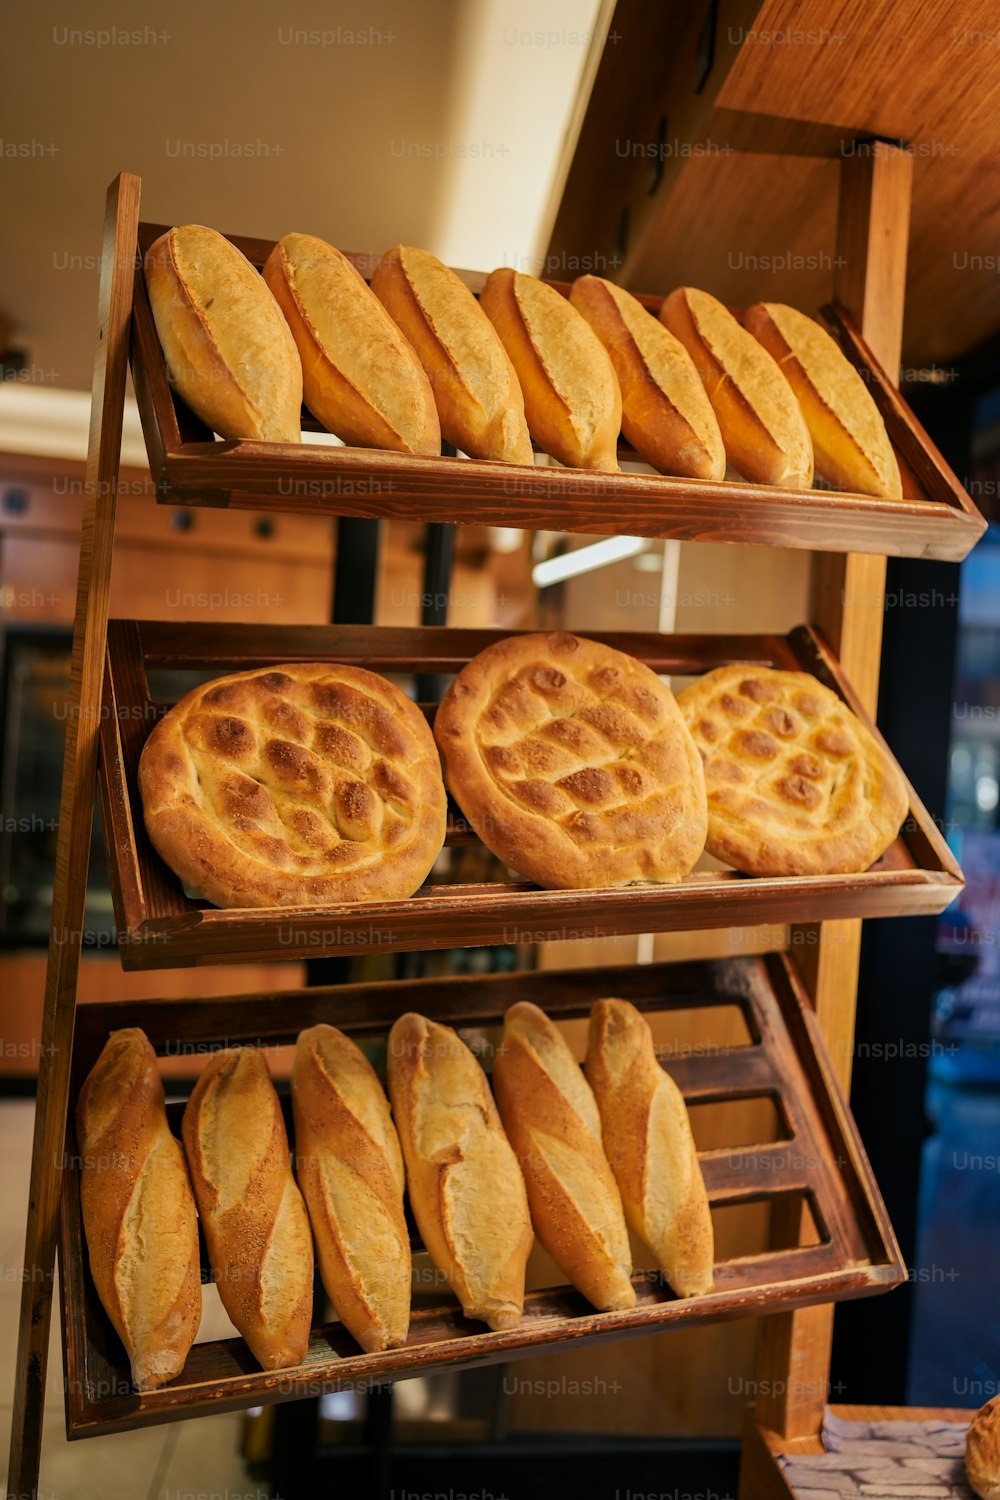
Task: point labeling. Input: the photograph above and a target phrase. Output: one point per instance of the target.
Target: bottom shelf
(826, 1235)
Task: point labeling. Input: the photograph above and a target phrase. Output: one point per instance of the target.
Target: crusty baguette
(850, 443)
(762, 425)
(350, 1170)
(229, 351)
(666, 413)
(571, 396)
(551, 1120)
(647, 1135)
(475, 388)
(982, 1451)
(138, 1210)
(466, 1188)
(360, 375)
(255, 1222)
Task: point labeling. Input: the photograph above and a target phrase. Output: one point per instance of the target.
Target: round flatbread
(295, 786)
(796, 784)
(573, 764)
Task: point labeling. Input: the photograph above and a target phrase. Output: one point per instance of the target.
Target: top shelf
(190, 466)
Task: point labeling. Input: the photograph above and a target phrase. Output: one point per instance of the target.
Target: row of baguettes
(578, 1155)
(414, 357)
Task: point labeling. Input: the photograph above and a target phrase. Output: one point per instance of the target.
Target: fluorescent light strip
(586, 559)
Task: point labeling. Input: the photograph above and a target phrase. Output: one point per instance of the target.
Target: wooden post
(76, 810)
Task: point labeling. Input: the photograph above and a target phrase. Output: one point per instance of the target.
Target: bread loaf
(762, 426)
(138, 1210)
(849, 439)
(255, 1222)
(647, 1136)
(228, 349)
(350, 1170)
(982, 1451)
(360, 376)
(551, 1120)
(571, 396)
(478, 399)
(466, 1188)
(666, 413)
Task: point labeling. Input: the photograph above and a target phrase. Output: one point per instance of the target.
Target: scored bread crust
(475, 388)
(229, 352)
(982, 1451)
(666, 413)
(361, 376)
(296, 785)
(571, 395)
(797, 785)
(850, 443)
(762, 425)
(572, 762)
(350, 1170)
(553, 1124)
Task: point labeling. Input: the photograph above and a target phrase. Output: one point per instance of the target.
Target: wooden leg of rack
(75, 814)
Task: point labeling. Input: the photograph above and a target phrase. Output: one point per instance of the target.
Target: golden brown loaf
(850, 443)
(255, 1222)
(475, 388)
(666, 414)
(350, 1170)
(982, 1451)
(796, 783)
(762, 425)
(138, 1210)
(466, 1188)
(647, 1135)
(294, 786)
(229, 351)
(572, 762)
(551, 1120)
(360, 376)
(571, 396)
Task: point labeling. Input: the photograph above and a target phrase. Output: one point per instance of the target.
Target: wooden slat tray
(160, 926)
(190, 466)
(819, 1161)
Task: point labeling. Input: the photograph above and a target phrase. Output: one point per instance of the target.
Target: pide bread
(138, 1210)
(350, 1169)
(850, 443)
(295, 785)
(466, 1188)
(573, 763)
(647, 1136)
(666, 414)
(982, 1451)
(796, 784)
(361, 376)
(552, 1121)
(255, 1222)
(762, 425)
(476, 391)
(229, 352)
(571, 396)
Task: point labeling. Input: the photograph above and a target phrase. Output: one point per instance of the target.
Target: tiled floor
(186, 1459)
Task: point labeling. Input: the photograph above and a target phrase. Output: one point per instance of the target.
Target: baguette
(647, 1135)
(466, 1188)
(350, 1170)
(571, 396)
(360, 375)
(762, 425)
(982, 1451)
(849, 439)
(255, 1222)
(478, 399)
(551, 1120)
(138, 1210)
(666, 413)
(229, 352)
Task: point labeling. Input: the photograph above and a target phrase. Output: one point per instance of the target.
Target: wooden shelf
(819, 1162)
(161, 927)
(190, 466)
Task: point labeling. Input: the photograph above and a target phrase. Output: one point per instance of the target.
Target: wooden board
(819, 1160)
